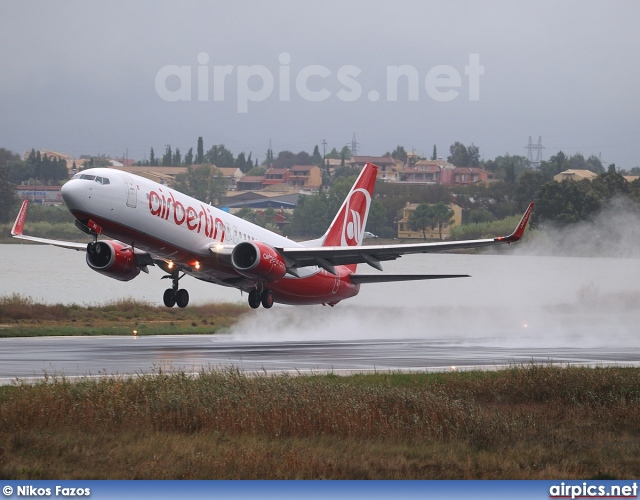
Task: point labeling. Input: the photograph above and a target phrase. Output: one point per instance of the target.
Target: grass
(23, 317)
(527, 422)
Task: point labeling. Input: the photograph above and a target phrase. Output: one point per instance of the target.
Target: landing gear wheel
(182, 298)
(169, 297)
(254, 299)
(267, 299)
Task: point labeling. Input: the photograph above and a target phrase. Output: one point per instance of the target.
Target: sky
(120, 77)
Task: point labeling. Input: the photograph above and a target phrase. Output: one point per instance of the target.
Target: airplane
(150, 224)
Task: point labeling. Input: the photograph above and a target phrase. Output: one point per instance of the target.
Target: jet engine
(112, 259)
(257, 260)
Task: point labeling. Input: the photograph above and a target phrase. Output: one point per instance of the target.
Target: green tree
(333, 154)
(434, 155)
(527, 188)
(474, 156)
(377, 217)
(188, 158)
(200, 152)
(202, 183)
(311, 216)
(316, 157)
(8, 198)
(565, 202)
(220, 156)
(177, 158)
(420, 219)
(441, 216)
(459, 155)
(152, 158)
(399, 154)
(285, 159)
(167, 158)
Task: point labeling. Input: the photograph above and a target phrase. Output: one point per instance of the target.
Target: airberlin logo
(197, 220)
(356, 208)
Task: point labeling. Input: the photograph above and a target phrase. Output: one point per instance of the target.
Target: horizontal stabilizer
(384, 278)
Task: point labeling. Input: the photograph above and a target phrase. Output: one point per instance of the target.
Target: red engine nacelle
(258, 261)
(112, 259)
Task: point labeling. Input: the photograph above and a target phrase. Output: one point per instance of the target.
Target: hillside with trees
(513, 185)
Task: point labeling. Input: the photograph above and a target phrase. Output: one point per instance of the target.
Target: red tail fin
(347, 229)
(18, 225)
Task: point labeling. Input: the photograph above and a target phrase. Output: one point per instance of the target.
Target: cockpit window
(98, 179)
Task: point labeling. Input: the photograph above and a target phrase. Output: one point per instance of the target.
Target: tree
(527, 188)
(434, 155)
(188, 159)
(167, 158)
(220, 156)
(177, 158)
(333, 154)
(399, 154)
(430, 216)
(441, 216)
(242, 163)
(7, 156)
(302, 158)
(200, 153)
(420, 219)
(459, 155)
(311, 216)
(8, 198)
(377, 217)
(316, 158)
(200, 182)
(285, 159)
(152, 158)
(565, 202)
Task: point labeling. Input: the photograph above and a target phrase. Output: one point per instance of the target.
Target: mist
(575, 286)
(613, 232)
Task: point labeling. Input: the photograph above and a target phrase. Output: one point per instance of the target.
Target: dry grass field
(529, 422)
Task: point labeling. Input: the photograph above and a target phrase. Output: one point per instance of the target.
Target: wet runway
(27, 358)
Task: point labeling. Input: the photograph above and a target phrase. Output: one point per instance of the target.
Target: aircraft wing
(18, 226)
(328, 257)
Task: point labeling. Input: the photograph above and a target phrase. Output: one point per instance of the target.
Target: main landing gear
(174, 296)
(259, 296)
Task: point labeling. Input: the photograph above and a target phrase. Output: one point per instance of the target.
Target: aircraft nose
(73, 193)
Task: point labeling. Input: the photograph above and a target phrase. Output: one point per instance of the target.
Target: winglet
(517, 234)
(18, 225)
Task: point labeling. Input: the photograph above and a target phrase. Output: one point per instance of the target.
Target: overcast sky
(106, 77)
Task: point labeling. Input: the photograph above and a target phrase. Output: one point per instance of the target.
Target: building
(250, 183)
(296, 178)
(276, 176)
(306, 177)
(405, 231)
(429, 172)
(40, 195)
(463, 176)
(388, 168)
(575, 175)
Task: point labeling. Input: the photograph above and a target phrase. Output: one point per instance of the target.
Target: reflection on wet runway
(80, 356)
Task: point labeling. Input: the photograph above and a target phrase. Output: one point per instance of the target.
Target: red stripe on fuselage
(321, 287)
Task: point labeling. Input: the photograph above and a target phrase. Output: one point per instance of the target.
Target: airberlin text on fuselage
(168, 208)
